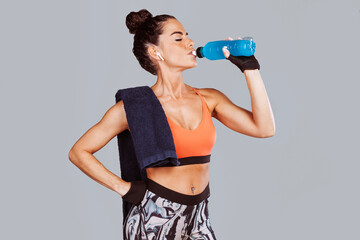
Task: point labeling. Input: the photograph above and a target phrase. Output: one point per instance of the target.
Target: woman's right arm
(81, 154)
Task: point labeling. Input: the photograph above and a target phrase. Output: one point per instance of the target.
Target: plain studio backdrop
(63, 61)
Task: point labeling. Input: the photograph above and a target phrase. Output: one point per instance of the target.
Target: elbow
(76, 155)
(73, 155)
(267, 134)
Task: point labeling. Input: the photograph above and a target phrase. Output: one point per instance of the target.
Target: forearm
(92, 167)
(260, 104)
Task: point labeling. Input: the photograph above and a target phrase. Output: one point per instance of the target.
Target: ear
(152, 50)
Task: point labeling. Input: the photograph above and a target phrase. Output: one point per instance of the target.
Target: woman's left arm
(258, 123)
(261, 109)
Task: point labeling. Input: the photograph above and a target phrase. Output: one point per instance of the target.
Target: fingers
(226, 52)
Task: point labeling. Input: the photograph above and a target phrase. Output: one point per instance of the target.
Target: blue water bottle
(213, 50)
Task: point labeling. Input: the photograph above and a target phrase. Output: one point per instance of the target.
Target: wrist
(123, 187)
(250, 72)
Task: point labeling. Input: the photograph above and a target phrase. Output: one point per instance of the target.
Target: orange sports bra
(194, 146)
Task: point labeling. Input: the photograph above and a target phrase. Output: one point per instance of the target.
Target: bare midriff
(181, 178)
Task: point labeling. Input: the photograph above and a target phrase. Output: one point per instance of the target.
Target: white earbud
(160, 56)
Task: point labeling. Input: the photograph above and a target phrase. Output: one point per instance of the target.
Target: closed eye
(178, 39)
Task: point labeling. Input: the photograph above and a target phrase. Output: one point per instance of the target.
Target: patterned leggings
(164, 214)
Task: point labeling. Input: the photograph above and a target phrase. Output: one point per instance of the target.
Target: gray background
(63, 61)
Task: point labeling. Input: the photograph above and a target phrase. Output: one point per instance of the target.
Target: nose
(191, 43)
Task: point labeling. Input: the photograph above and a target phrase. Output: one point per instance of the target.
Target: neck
(170, 85)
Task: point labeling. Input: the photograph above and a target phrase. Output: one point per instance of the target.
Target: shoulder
(132, 93)
(212, 97)
(208, 91)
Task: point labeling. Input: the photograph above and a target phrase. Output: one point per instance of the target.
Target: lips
(191, 52)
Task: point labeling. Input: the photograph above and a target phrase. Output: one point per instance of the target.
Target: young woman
(173, 203)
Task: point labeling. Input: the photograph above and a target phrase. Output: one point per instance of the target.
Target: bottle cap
(198, 52)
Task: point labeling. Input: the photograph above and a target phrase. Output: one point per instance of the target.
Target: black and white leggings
(165, 214)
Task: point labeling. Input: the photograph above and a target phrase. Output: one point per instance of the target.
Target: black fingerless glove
(244, 63)
(136, 192)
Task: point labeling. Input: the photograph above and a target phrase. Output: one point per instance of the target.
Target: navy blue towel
(149, 141)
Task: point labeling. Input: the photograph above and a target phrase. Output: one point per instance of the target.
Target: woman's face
(175, 46)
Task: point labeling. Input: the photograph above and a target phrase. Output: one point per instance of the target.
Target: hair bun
(135, 19)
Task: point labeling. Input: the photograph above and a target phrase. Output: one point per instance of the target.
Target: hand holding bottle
(242, 62)
(225, 51)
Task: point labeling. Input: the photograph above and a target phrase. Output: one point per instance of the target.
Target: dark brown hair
(147, 30)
